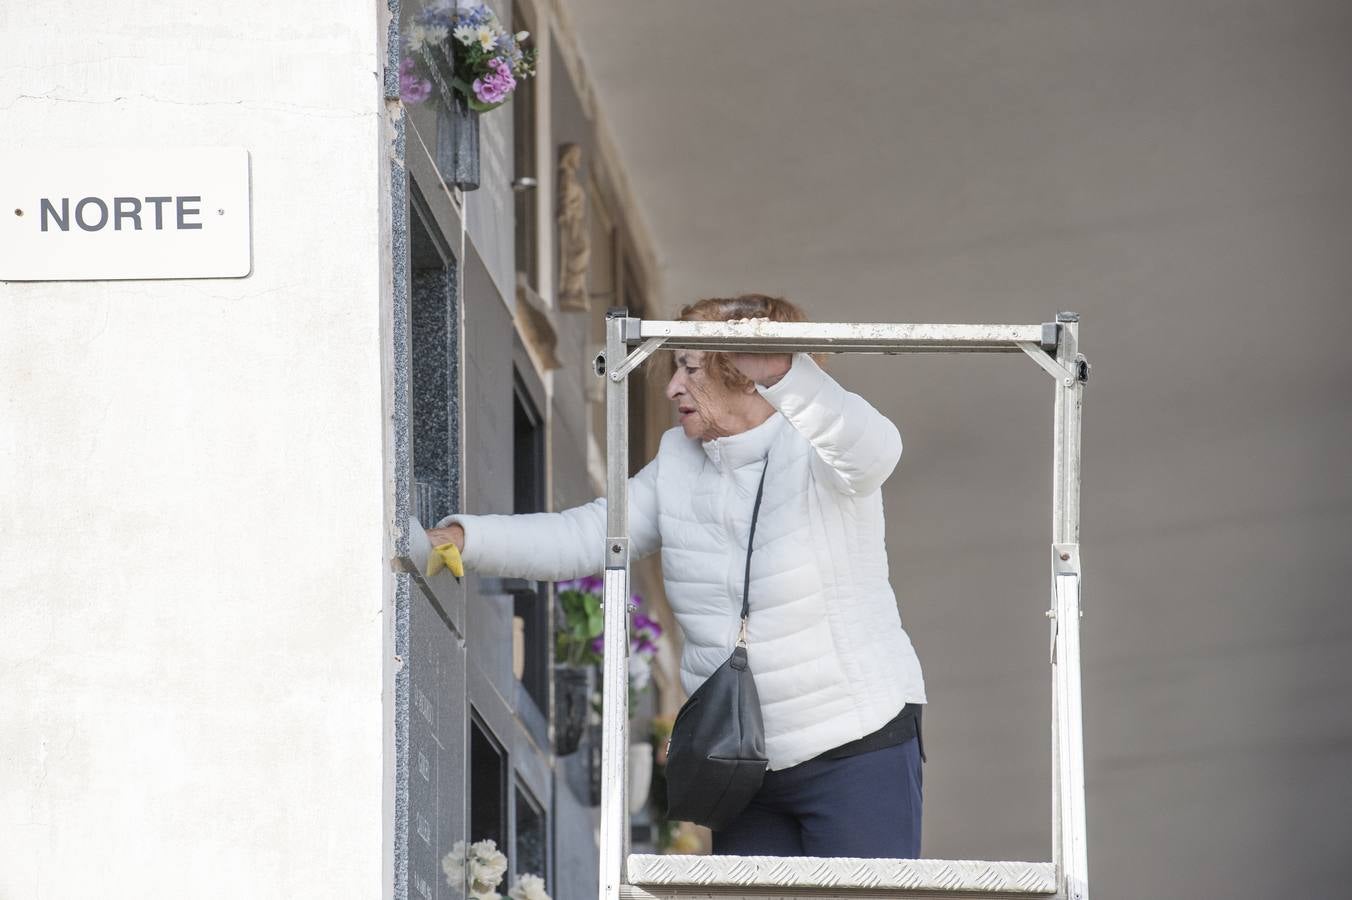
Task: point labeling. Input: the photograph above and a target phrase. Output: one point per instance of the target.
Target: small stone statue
(574, 241)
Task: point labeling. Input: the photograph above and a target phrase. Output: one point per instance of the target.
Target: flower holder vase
(458, 142)
(640, 771)
(572, 703)
(594, 734)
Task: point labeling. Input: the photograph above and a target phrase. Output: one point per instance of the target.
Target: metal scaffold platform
(1054, 346)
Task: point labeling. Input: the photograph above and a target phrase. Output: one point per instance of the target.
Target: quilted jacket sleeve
(560, 545)
(857, 446)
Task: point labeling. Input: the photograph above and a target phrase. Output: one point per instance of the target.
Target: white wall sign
(124, 213)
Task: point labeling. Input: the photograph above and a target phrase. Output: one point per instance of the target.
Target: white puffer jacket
(827, 649)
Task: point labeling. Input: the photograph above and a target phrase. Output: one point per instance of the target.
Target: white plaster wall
(192, 560)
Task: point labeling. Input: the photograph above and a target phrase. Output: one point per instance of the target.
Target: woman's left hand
(446, 546)
(452, 534)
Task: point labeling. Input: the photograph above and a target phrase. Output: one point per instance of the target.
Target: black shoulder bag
(716, 759)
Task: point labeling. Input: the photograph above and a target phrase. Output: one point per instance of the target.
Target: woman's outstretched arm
(560, 545)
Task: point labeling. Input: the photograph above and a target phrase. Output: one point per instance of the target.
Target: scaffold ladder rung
(694, 876)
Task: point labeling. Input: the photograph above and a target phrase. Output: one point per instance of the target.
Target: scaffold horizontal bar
(764, 336)
(765, 876)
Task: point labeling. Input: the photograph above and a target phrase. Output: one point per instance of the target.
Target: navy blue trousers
(866, 806)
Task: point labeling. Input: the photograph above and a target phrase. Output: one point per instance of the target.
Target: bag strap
(746, 581)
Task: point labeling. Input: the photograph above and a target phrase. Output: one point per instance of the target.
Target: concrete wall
(192, 517)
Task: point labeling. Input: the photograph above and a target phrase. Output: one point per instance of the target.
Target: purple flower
(589, 585)
(646, 625)
(473, 15)
(412, 88)
(494, 87)
(598, 644)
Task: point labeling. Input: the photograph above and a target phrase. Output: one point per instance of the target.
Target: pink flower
(412, 89)
(494, 87)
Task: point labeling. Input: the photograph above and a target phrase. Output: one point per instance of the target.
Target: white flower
(466, 35)
(453, 864)
(640, 670)
(522, 35)
(422, 35)
(486, 37)
(529, 887)
(486, 864)
(417, 36)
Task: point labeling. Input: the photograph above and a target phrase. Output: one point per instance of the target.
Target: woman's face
(703, 404)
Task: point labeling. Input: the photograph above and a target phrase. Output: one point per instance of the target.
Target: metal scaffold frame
(1054, 346)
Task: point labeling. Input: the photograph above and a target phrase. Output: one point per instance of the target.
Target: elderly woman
(839, 683)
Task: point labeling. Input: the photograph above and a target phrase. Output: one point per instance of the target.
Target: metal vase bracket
(458, 142)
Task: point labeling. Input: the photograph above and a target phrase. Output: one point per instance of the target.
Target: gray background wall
(1177, 173)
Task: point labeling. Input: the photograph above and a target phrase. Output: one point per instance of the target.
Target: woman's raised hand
(763, 368)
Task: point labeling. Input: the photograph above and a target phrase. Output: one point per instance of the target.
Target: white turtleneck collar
(736, 450)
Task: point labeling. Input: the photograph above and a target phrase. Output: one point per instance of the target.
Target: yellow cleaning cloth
(445, 556)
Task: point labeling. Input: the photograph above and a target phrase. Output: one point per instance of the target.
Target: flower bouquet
(643, 635)
(474, 64)
(580, 647)
(484, 866)
(581, 624)
(575, 660)
(580, 640)
(483, 59)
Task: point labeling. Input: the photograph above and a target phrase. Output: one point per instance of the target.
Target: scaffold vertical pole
(1069, 819)
(614, 843)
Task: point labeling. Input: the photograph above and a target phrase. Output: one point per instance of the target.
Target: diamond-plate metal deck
(765, 876)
